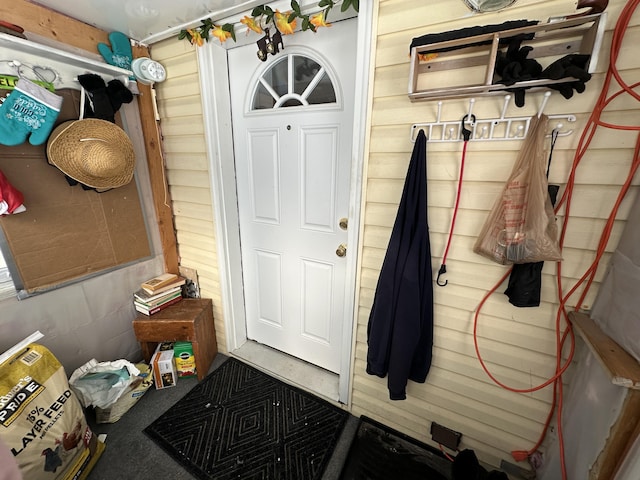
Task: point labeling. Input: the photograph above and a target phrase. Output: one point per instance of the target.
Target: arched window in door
(292, 81)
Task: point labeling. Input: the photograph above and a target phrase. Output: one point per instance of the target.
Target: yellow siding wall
(517, 344)
(187, 167)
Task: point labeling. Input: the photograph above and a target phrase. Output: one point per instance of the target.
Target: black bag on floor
(466, 467)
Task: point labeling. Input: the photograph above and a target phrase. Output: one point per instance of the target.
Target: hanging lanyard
(466, 135)
(552, 189)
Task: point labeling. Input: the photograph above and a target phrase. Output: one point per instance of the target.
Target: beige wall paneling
(187, 169)
(517, 344)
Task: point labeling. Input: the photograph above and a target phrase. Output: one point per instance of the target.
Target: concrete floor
(131, 454)
(292, 370)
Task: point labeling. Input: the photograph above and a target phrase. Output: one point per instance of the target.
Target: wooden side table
(191, 320)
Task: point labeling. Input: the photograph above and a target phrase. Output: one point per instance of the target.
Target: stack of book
(158, 293)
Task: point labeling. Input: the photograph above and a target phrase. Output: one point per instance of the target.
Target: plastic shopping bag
(521, 227)
(101, 384)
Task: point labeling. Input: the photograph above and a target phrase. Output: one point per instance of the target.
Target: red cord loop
(466, 135)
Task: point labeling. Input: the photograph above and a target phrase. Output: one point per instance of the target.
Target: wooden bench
(191, 320)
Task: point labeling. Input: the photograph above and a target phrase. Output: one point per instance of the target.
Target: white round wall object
(148, 71)
(487, 5)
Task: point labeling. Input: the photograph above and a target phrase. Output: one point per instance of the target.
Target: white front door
(292, 129)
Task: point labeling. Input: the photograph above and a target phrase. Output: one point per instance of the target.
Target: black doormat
(239, 423)
(382, 453)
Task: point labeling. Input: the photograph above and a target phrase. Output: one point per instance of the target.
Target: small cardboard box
(138, 388)
(163, 366)
(185, 361)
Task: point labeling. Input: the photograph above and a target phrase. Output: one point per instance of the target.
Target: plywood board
(67, 232)
(621, 367)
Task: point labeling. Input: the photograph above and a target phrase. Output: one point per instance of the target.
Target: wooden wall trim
(50, 24)
(623, 434)
(157, 177)
(56, 26)
(627, 449)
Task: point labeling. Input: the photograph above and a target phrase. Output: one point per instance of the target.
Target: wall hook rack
(491, 129)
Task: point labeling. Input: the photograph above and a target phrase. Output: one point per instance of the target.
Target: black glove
(573, 65)
(118, 94)
(104, 100)
(96, 91)
(514, 66)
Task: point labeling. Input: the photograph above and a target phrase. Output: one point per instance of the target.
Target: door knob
(344, 223)
(341, 251)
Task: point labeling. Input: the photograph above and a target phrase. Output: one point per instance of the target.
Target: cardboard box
(163, 366)
(49, 244)
(184, 359)
(138, 388)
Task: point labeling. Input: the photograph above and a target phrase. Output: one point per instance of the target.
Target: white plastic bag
(102, 384)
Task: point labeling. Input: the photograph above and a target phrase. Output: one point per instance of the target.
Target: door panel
(269, 287)
(292, 121)
(319, 166)
(317, 283)
(264, 163)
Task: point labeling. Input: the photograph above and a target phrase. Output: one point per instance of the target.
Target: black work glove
(118, 94)
(99, 104)
(572, 65)
(514, 66)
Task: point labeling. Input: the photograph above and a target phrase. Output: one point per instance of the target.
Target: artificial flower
(196, 38)
(318, 20)
(282, 23)
(426, 57)
(251, 24)
(220, 34)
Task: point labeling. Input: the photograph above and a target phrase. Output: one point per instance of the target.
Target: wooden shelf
(67, 65)
(550, 41)
(622, 368)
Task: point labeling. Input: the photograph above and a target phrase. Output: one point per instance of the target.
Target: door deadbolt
(341, 251)
(344, 223)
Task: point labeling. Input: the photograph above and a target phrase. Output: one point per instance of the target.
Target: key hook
(466, 133)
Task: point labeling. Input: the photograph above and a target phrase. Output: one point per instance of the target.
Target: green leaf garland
(266, 14)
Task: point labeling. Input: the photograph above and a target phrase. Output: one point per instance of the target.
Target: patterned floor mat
(241, 423)
(382, 453)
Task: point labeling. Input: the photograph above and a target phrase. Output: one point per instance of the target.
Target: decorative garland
(285, 23)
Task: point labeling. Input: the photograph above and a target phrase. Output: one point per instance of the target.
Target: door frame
(216, 104)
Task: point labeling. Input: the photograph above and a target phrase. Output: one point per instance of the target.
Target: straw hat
(94, 152)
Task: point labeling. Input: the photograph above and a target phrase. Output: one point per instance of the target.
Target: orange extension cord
(588, 277)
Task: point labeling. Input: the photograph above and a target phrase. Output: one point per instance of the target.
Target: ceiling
(148, 20)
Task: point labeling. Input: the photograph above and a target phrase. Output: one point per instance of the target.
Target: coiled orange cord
(589, 275)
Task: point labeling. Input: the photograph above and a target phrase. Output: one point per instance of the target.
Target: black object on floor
(241, 423)
(382, 453)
